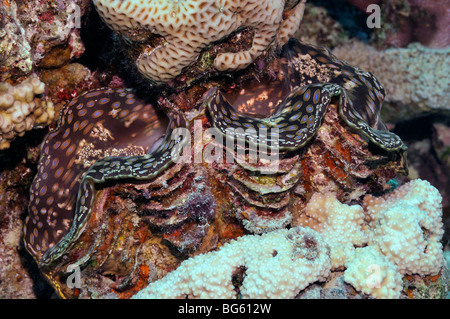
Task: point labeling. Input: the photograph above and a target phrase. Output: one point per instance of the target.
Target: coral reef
(409, 21)
(372, 273)
(414, 247)
(427, 86)
(21, 109)
(416, 21)
(39, 33)
(275, 265)
(15, 49)
(319, 28)
(14, 279)
(134, 192)
(188, 27)
(270, 267)
(19, 276)
(341, 225)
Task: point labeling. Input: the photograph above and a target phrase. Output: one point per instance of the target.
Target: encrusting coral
(275, 265)
(189, 26)
(38, 33)
(427, 86)
(21, 109)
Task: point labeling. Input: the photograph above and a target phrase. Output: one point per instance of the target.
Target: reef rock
(37, 33)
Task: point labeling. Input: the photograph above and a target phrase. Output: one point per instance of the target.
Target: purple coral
(199, 206)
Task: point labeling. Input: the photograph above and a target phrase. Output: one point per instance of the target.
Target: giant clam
(327, 120)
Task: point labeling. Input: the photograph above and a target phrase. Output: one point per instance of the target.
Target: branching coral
(15, 49)
(20, 110)
(391, 236)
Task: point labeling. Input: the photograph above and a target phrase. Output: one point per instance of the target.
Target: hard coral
(371, 272)
(276, 265)
(407, 227)
(15, 49)
(21, 110)
(427, 86)
(189, 26)
(388, 237)
(341, 225)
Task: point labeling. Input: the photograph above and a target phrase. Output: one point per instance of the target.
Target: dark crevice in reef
(17, 152)
(349, 17)
(41, 288)
(104, 54)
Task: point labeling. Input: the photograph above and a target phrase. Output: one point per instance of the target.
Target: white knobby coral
(402, 231)
(371, 272)
(188, 26)
(399, 233)
(340, 225)
(276, 265)
(407, 227)
(20, 111)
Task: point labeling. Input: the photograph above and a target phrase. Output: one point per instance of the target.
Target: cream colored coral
(372, 273)
(340, 225)
(409, 75)
(407, 227)
(277, 265)
(400, 234)
(20, 110)
(188, 26)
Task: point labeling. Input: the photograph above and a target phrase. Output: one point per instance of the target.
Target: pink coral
(427, 22)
